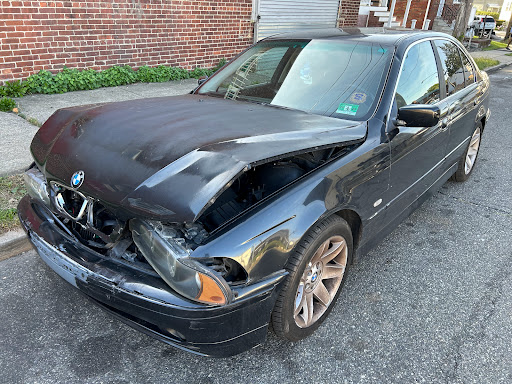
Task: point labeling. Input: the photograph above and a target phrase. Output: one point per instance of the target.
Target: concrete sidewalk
(16, 133)
(496, 54)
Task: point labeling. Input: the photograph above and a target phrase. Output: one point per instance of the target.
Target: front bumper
(141, 298)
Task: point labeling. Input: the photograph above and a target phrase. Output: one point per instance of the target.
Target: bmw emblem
(77, 179)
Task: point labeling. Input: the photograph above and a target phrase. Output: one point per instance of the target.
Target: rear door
(462, 92)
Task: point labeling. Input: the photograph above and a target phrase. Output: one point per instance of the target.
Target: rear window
(489, 20)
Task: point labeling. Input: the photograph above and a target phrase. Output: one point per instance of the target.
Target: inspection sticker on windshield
(358, 97)
(348, 109)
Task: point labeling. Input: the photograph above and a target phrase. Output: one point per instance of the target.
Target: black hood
(168, 157)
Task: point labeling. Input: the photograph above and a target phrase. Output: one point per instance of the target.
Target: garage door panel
(279, 16)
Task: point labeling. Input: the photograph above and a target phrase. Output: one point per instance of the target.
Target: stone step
(378, 9)
(382, 14)
(385, 19)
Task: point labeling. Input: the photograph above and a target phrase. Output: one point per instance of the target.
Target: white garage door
(279, 16)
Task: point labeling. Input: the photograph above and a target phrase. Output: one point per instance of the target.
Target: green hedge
(495, 15)
(69, 80)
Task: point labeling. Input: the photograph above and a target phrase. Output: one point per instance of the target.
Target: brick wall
(417, 11)
(349, 13)
(37, 35)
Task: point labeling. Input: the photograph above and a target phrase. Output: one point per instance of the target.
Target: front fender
(262, 240)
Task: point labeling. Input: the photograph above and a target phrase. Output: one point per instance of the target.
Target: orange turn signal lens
(209, 291)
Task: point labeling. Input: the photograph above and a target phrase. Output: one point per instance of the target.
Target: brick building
(375, 13)
(37, 35)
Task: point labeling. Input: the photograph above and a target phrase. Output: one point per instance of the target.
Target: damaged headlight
(36, 185)
(171, 261)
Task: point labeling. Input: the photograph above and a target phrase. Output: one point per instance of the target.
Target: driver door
(417, 153)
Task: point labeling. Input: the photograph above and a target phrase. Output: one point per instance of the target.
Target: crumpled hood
(168, 157)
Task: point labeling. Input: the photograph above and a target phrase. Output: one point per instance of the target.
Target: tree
(509, 25)
(461, 22)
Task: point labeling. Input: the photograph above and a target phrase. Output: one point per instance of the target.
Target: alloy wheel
(474, 145)
(320, 281)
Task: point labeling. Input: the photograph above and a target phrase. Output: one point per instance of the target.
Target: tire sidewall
(338, 227)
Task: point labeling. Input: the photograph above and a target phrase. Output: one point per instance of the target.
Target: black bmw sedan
(202, 219)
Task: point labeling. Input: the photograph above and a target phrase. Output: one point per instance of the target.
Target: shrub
(69, 79)
(494, 15)
(7, 104)
(15, 88)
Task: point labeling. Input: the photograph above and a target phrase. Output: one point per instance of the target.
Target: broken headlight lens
(36, 185)
(171, 261)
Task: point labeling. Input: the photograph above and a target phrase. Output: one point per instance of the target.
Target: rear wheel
(317, 271)
(467, 161)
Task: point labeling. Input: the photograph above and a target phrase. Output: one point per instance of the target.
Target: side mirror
(418, 115)
(201, 80)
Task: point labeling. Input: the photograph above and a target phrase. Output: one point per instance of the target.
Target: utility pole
(461, 23)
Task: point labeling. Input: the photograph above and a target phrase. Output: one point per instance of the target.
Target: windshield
(331, 78)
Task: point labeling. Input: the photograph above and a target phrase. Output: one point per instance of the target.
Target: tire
(310, 267)
(463, 173)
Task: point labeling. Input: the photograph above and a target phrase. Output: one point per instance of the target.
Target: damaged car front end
(182, 223)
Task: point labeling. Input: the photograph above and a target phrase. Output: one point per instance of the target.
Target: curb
(13, 243)
(497, 67)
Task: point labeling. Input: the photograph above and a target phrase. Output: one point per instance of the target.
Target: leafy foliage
(7, 104)
(69, 79)
(494, 15)
(15, 88)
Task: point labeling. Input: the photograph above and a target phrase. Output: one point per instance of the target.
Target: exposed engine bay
(95, 226)
(262, 181)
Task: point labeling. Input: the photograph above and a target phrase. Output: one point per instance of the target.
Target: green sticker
(347, 109)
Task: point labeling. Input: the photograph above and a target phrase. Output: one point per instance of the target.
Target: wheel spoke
(307, 313)
(333, 252)
(321, 250)
(299, 299)
(475, 140)
(332, 271)
(322, 294)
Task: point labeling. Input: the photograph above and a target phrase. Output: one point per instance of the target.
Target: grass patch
(495, 45)
(508, 54)
(34, 121)
(12, 189)
(485, 62)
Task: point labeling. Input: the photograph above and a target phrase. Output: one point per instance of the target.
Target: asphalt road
(433, 303)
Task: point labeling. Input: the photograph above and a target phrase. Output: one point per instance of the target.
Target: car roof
(388, 36)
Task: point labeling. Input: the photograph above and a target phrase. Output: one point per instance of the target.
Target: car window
(342, 79)
(419, 81)
(469, 70)
(260, 70)
(452, 66)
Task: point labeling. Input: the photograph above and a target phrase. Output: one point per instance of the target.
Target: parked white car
(482, 23)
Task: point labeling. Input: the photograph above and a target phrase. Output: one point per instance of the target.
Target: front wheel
(467, 161)
(317, 271)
